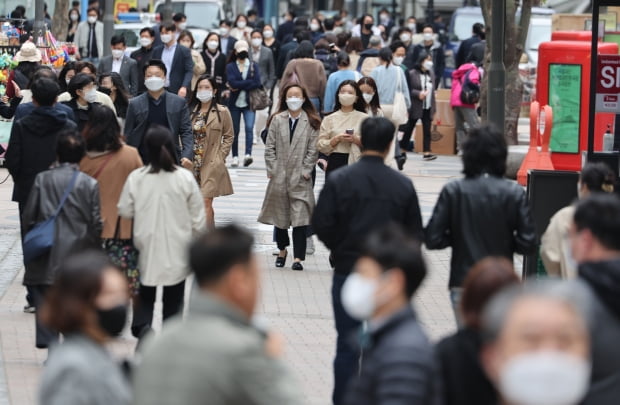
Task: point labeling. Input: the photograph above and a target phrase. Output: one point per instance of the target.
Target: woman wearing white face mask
(339, 137)
(241, 29)
(334, 80)
(186, 39)
(316, 29)
(83, 91)
(290, 156)
(215, 62)
(213, 136)
(423, 106)
(74, 21)
(270, 41)
(434, 48)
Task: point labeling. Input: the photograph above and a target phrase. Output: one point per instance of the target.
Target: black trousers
(336, 161)
(299, 240)
(44, 337)
(145, 304)
(426, 130)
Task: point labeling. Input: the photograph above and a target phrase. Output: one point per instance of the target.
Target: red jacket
(457, 83)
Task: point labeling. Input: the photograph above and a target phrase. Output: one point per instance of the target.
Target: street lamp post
(166, 12)
(108, 26)
(430, 11)
(39, 20)
(497, 70)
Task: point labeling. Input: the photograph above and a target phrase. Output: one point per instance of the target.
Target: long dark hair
(160, 149)
(304, 50)
(102, 132)
(122, 96)
(385, 55)
(195, 104)
(374, 104)
(62, 76)
(307, 106)
(360, 104)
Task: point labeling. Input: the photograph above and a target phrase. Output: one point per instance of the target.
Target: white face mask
(165, 38)
(256, 42)
(74, 17)
(67, 80)
(90, 96)
(182, 26)
(412, 27)
(544, 378)
(294, 103)
(117, 53)
(428, 36)
(144, 41)
(405, 37)
(92, 19)
(428, 65)
(223, 31)
(204, 95)
(268, 34)
(368, 97)
(358, 296)
(384, 18)
(398, 60)
(347, 99)
(213, 45)
(314, 27)
(154, 83)
(241, 24)
(187, 44)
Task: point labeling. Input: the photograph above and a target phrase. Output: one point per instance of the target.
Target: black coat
(358, 199)
(32, 147)
(464, 50)
(77, 227)
(398, 367)
(464, 381)
(603, 280)
(219, 70)
(142, 56)
(415, 87)
(182, 69)
(479, 217)
(439, 59)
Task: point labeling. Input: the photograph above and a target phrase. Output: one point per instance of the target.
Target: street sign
(608, 84)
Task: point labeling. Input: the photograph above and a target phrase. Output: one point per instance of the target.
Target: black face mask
(242, 55)
(368, 26)
(112, 320)
(105, 90)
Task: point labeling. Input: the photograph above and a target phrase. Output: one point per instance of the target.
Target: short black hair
(155, 62)
(343, 59)
(95, 9)
(70, 147)
(598, 177)
(377, 133)
(397, 44)
(600, 214)
(78, 82)
(393, 248)
(150, 30)
(45, 91)
(170, 27)
(118, 39)
(178, 17)
(226, 22)
(213, 254)
(40, 72)
(252, 12)
(484, 151)
(385, 54)
(478, 28)
(329, 24)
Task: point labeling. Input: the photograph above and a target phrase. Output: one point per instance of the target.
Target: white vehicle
(131, 32)
(204, 14)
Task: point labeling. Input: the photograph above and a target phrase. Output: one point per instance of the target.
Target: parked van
(205, 14)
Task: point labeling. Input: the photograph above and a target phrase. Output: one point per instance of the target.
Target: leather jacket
(479, 217)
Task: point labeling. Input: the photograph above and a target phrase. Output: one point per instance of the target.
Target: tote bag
(399, 111)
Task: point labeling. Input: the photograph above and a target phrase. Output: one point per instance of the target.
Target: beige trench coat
(289, 199)
(214, 177)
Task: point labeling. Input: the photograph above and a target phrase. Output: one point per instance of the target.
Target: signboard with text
(608, 84)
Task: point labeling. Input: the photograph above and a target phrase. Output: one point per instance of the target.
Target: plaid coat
(289, 199)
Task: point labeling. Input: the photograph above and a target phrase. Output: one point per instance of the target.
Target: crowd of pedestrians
(123, 155)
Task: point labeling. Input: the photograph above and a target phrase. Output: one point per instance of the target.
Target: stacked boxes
(443, 138)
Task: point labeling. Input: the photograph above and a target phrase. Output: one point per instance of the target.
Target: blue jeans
(346, 363)
(248, 120)
(317, 103)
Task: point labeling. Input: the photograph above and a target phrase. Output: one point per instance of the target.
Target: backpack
(470, 91)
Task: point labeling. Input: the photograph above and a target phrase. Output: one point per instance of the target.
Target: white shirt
(427, 85)
(167, 56)
(116, 64)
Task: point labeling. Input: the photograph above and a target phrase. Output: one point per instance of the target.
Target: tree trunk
(338, 5)
(60, 20)
(515, 34)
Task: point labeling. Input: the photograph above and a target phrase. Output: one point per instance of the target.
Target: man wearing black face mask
(365, 29)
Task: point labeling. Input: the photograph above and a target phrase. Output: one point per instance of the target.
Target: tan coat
(310, 75)
(289, 199)
(214, 177)
(554, 244)
(199, 67)
(111, 181)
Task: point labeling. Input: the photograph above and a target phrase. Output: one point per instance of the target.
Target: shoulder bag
(399, 112)
(124, 255)
(259, 98)
(40, 239)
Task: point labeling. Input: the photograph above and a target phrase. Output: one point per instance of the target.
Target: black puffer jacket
(603, 278)
(479, 217)
(78, 225)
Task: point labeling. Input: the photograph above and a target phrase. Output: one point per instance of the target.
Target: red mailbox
(571, 36)
(564, 84)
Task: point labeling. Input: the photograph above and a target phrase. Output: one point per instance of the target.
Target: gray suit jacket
(267, 67)
(128, 72)
(218, 358)
(177, 112)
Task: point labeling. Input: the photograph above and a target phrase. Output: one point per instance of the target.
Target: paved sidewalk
(297, 304)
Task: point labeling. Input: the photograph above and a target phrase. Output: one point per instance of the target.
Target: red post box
(571, 36)
(564, 84)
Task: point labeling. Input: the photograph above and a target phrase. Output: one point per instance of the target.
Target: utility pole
(430, 11)
(38, 27)
(497, 70)
(108, 26)
(166, 13)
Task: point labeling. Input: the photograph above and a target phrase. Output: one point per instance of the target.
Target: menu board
(565, 100)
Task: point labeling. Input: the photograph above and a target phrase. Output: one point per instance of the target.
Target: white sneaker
(309, 246)
(235, 162)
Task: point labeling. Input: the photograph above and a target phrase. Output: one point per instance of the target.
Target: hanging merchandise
(56, 54)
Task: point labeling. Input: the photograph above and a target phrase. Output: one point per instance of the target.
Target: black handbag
(124, 255)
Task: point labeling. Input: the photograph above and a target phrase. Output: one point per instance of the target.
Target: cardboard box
(442, 94)
(443, 139)
(445, 114)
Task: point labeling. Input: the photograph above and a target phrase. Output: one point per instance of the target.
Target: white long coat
(168, 212)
